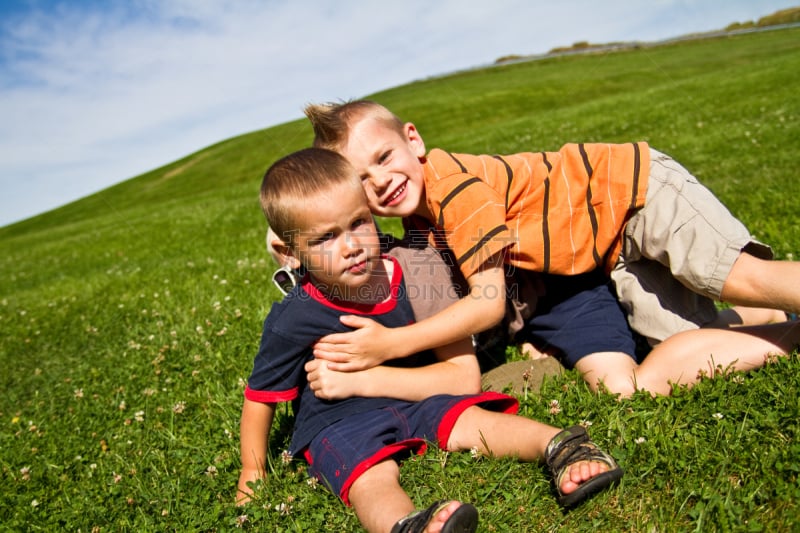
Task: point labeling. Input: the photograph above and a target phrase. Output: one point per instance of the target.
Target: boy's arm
(253, 435)
(456, 372)
(371, 344)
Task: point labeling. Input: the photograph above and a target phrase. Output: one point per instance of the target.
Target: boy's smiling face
(389, 166)
(337, 241)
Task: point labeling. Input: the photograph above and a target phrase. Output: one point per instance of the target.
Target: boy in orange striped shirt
(578, 218)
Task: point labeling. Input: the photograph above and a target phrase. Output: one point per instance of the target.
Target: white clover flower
(640, 440)
(555, 407)
(718, 416)
(283, 508)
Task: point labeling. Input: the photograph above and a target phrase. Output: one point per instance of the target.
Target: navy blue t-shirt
(291, 329)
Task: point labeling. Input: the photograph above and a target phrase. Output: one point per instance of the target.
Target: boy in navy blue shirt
(353, 433)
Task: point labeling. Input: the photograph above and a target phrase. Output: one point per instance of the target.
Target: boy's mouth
(358, 268)
(397, 193)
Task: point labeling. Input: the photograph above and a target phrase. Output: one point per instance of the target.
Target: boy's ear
(414, 140)
(280, 251)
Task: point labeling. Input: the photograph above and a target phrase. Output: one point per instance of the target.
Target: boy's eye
(384, 156)
(322, 239)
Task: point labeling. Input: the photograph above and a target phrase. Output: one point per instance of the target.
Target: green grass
(129, 319)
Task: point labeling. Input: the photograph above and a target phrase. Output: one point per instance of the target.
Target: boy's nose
(351, 242)
(380, 181)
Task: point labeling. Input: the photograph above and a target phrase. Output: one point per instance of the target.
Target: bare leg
(615, 371)
(506, 435)
(379, 501)
(756, 282)
(685, 357)
(746, 316)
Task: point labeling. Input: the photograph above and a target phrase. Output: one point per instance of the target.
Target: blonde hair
(332, 121)
(292, 180)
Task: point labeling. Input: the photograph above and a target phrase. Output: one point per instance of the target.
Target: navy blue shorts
(346, 449)
(578, 316)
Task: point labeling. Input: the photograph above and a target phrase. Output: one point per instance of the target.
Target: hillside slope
(129, 319)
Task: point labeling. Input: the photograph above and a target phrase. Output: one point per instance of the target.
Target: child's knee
(613, 372)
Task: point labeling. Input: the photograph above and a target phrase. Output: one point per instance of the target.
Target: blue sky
(95, 92)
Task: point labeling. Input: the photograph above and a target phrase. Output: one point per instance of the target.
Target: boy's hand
(247, 476)
(368, 345)
(329, 384)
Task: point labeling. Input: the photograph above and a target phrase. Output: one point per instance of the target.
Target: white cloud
(93, 95)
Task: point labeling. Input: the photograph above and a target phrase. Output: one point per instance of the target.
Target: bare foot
(581, 472)
(530, 351)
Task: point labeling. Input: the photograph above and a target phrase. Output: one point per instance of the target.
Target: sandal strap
(571, 446)
(463, 520)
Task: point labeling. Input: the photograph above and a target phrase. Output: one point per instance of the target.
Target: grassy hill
(129, 319)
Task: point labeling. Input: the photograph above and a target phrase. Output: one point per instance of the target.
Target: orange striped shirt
(558, 212)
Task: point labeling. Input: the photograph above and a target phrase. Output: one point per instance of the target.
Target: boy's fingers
(339, 367)
(330, 352)
(354, 321)
(333, 339)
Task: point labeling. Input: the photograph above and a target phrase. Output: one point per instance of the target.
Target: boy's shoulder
(287, 310)
(442, 167)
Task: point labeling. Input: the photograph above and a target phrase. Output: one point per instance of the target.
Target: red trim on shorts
(503, 404)
(417, 446)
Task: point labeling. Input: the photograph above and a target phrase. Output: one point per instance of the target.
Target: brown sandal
(463, 520)
(573, 445)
